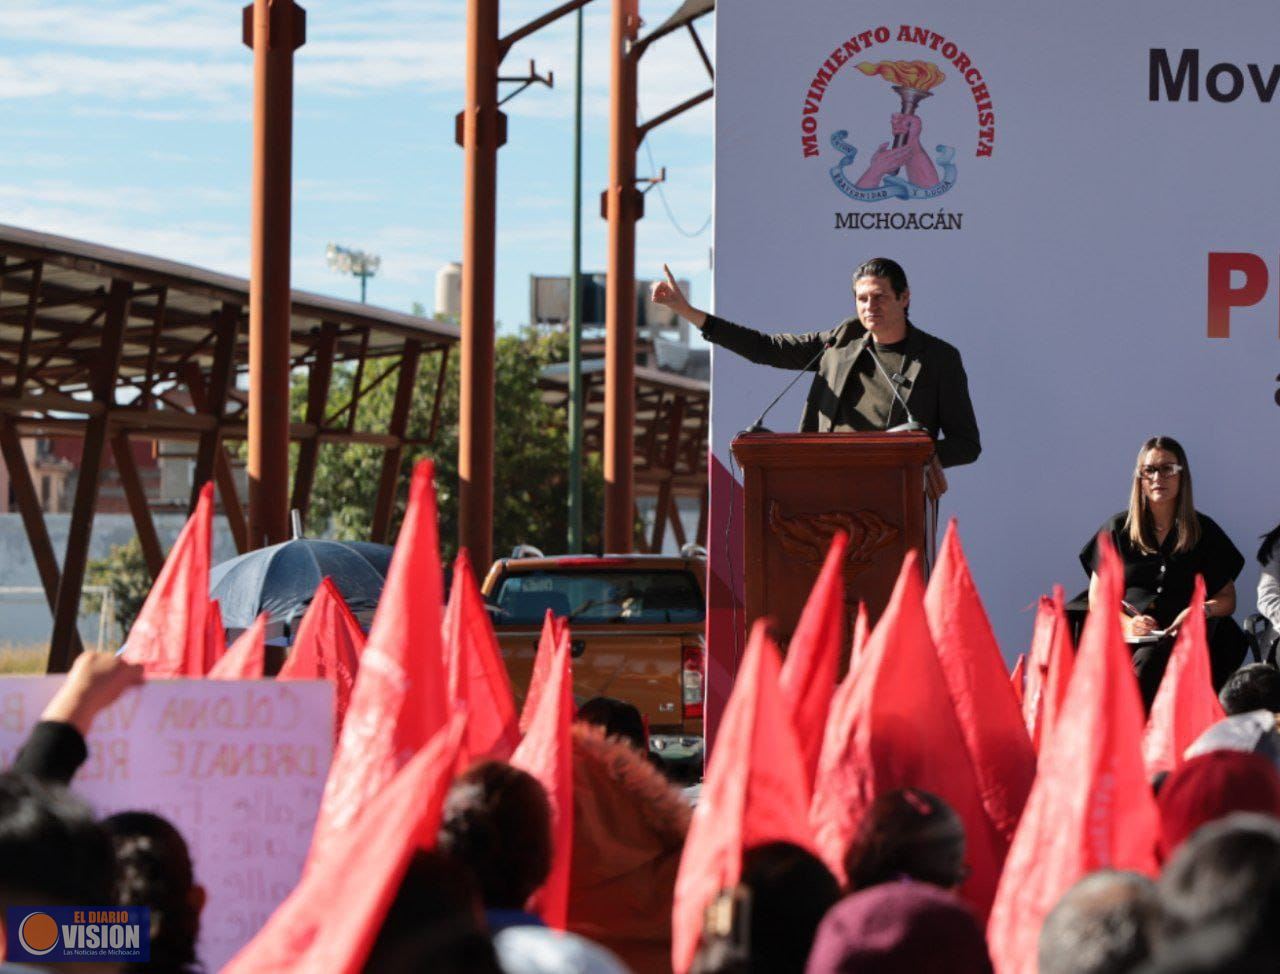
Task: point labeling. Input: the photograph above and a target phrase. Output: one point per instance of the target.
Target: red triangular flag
(1062, 658)
(170, 636)
(247, 656)
(327, 647)
(215, 646)
(1185, 704)
(897, 730)
(861, 630)
(1017, 677)
(399, 698)
(554, 629)
(547, 753)
(833, 735)
(999, 748)
(1037, 669)
(754, 792)
(328, 924)
(808, 677)
(1091, 807)
(477, 675)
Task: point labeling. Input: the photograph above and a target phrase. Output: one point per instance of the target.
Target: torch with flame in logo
(914, 81)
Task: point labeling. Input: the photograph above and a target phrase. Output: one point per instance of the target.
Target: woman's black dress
(1160, 585)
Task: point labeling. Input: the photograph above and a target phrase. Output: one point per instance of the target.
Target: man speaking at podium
(875, 371)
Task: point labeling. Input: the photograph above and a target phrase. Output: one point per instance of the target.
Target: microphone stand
(911, 425)
(758, 426)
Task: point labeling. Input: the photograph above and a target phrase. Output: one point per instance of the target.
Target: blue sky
(128, 124)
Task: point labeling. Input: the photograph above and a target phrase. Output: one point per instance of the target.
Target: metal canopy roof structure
(60, 287)
(672, 413)
(105, 343)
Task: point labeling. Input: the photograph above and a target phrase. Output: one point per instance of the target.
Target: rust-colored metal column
(483, 130)
(274, 29)
(623, 206)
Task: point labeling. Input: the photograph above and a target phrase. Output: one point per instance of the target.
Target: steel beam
(223, 475)
(64, 643)
(391, 457)
(274, 29)
(28, 501)
(317, 398)
(483, 130)
(434, 428)
(28, 326)
(153, 345)
(677, 528)
(662, 510)
(152, 552)
(623, 207)
(214, 398)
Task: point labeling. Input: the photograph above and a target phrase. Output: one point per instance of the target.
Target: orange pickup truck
(637, 624)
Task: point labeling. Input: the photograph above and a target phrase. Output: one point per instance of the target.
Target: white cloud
(62, 194)
(211, 244)
(135, 54)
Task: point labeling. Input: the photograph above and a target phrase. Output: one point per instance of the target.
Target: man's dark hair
(497, 823)
(1252, 687)
(1228, 874)
(890, 270)
(616, 718)
(51, 848)
(791, 891)
(907, 833)
(1104, 924)
(153, 869)
(1210, 950)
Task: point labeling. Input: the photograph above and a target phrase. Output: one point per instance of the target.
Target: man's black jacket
(935, 387)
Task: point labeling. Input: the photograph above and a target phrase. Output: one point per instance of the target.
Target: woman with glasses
(1165, 543)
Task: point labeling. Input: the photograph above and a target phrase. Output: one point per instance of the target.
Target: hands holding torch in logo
(913, 81)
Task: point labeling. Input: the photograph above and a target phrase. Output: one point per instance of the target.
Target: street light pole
(575, 316)
(357, 263)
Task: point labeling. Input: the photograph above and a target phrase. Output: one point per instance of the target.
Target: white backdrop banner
(1091, 222)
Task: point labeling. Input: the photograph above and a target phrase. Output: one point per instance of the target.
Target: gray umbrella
(282, 579)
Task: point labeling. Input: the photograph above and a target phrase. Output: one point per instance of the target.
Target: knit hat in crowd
(902, 927)
(1212, 786)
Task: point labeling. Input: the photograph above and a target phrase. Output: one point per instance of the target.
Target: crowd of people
(472, 894)
(464, 906)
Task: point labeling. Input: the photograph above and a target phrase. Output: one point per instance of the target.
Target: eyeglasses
(1165, 470)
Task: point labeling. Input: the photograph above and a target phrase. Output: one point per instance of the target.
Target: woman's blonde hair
(1139, 522)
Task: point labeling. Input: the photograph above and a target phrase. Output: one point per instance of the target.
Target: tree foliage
(124, 571)
(531, 452)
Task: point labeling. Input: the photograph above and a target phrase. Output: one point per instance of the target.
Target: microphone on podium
(758, 426)
(895, 380)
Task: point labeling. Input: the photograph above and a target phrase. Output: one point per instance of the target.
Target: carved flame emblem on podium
(806, 537)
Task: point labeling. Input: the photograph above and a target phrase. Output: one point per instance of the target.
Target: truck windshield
(595, 596)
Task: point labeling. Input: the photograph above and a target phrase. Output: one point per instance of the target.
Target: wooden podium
(800, 488)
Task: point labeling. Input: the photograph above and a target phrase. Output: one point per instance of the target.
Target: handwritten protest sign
(238, 767)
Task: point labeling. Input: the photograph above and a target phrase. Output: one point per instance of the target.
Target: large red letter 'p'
(1223, 297)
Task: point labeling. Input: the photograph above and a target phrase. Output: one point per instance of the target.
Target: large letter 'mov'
(1188, 73)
